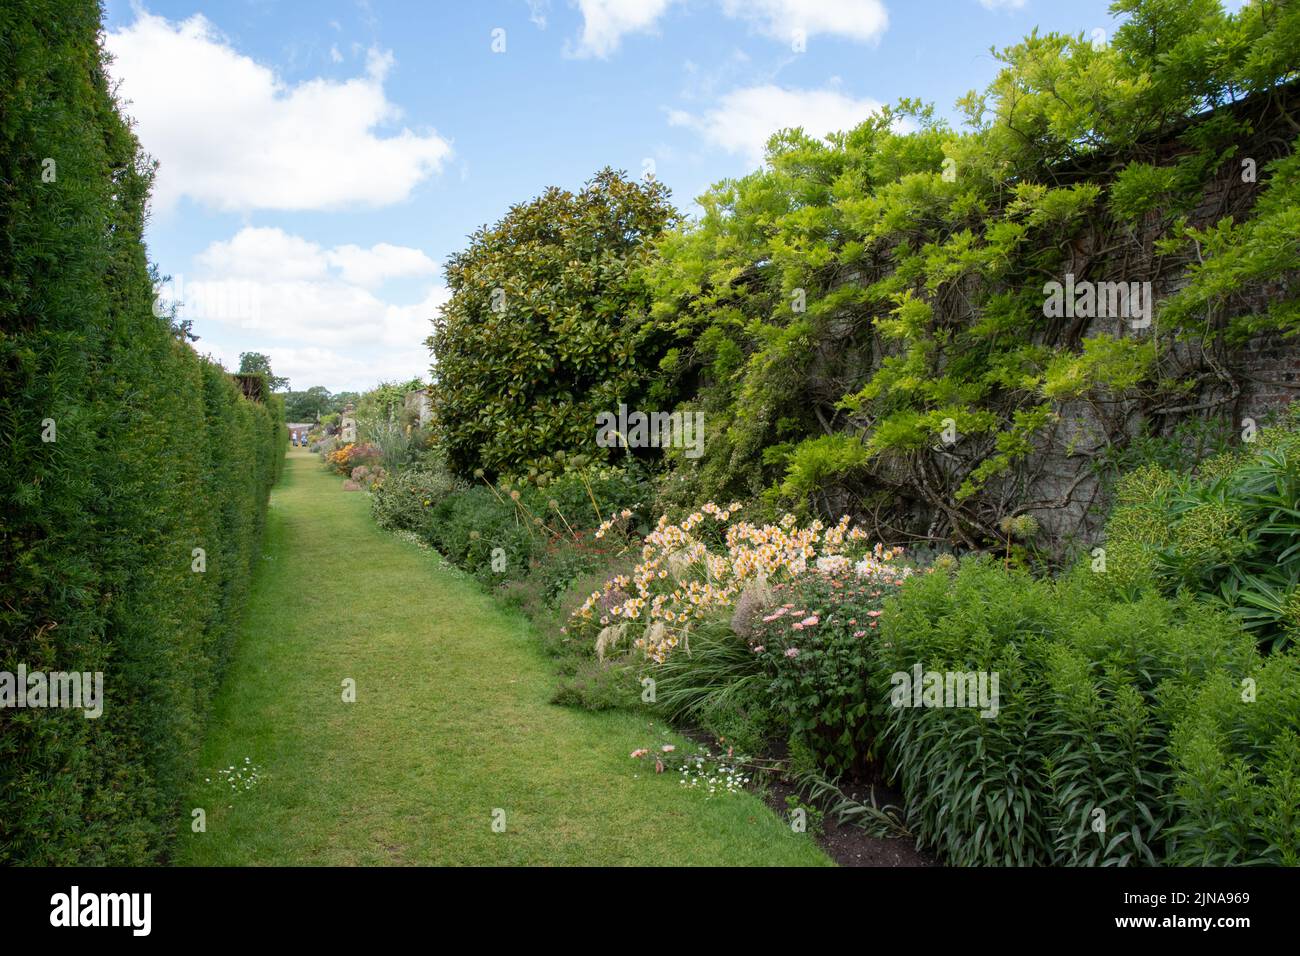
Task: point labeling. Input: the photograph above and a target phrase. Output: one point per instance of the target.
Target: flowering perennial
(681, 579)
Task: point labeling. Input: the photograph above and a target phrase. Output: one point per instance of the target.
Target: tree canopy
(255, 363)
(546, 324)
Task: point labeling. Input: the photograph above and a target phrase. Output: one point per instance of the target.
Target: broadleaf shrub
(545, 326)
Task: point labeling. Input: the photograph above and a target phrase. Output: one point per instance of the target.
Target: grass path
(451, 721)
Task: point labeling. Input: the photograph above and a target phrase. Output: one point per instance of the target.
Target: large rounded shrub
(545, 325)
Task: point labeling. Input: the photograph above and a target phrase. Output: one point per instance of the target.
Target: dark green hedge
(156, 452)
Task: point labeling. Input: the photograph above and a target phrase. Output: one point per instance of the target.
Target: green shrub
(1074, 768)
(538, 530)
(403, 500)
(1230, 534)
(468, 525)
(545, 327)
(817, 650)
(156, 453)
(1236, 760)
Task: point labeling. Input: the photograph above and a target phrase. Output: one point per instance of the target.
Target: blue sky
(319, 161)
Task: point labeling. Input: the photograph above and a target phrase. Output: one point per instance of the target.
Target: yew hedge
(155, 452)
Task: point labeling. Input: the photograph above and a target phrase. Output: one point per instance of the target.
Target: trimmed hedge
(156, 452)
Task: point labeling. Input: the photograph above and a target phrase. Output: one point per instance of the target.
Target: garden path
(451, 722)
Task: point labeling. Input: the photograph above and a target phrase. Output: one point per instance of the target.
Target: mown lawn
(451, 722)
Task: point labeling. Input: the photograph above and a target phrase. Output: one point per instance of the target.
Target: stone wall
(1061, 483)
(418, 406)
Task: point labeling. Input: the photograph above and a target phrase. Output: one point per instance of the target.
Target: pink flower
(640, 753)
(873, 614)
(810, 620)
(859, 633)
(792, 652)
(668, 748)
(759, 649)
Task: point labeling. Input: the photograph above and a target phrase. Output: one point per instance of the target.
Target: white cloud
(863, 20)
(404, 324)
(606, 22)
(744, 119)
(263, 253)
(373, 266)
(271, 253)
(308, 365)
(302, 303)
(232, 135)
(1003, 4)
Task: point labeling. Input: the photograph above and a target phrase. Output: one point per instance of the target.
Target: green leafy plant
(544, 327)
(403, 500)
(1074, 768)
(817, 650)
(881, 821)
(1236, 763)
(1230, 534)
(863, 318)
(814, 817)
(134, 475)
